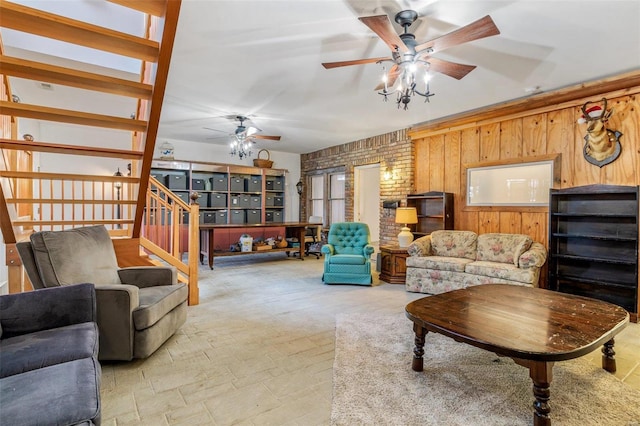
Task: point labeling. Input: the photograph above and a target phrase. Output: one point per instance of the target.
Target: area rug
(373, 383)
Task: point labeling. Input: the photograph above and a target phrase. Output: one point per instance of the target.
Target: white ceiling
(263, 59)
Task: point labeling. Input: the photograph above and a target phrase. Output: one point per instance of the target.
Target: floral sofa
(450, 260)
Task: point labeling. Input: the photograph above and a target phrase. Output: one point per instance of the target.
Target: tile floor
(259, 348)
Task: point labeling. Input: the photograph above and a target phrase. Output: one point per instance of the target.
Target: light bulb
(427, 77)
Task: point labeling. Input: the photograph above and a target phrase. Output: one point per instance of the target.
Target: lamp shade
(406, 215)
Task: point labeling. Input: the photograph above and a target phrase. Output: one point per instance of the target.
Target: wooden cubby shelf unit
(229, 194)
(593, 243)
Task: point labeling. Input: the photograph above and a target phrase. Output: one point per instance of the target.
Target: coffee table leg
(540, 373)
(608, 357)
(418, 351)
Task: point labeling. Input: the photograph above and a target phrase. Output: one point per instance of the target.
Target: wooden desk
(289, 229)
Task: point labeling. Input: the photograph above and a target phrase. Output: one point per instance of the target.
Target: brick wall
(395, 154)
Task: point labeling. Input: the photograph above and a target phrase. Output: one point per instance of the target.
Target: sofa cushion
(504, 271)
(48, 347)
(78, 255)
(503, 248)
(63, 394)
(442, 263)
(347, 259)
(156, 302)
(454, 244)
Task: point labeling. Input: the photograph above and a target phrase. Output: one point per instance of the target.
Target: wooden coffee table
(534, 327)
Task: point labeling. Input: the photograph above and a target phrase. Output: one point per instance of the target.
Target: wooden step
(55, 148)
(38, 71)
(38, 112)
(45, 24)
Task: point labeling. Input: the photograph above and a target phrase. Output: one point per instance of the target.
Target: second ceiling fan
(407, 55)
(244, 133)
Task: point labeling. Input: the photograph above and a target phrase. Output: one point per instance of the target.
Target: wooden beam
(38, 71)
(16, 279)
(623, 82)
(73, 222)
(126, 180)
(160, 84)
(151, 7)
(6, 227)
(45, 24)
(54, 148)
(74, 117)
(68, 201)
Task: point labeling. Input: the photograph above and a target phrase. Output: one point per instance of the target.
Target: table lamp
(406, 215)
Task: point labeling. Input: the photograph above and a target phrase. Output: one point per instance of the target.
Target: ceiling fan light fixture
(410, 58)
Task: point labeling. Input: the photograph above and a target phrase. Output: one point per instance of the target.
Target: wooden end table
(535, 327)
(393, 268)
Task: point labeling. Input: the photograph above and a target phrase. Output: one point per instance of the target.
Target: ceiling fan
(243, 132)
(244, 137)
(407, 54)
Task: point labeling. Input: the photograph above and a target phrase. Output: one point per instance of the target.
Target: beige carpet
(373, 383)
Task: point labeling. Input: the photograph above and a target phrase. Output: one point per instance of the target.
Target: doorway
(366, 198)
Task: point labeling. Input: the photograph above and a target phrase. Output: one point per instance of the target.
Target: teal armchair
(347, 254)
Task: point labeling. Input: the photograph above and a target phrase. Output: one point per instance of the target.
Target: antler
(603, 116)
(585, 114)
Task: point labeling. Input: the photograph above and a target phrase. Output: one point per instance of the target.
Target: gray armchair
(138, 308)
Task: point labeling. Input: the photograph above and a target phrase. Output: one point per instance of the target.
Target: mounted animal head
(602, 145)
(596, 117)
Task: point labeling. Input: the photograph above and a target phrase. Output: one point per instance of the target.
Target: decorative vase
(166, 151)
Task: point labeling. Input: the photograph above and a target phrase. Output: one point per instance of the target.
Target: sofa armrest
(535, 257)
(48, 308)
(328, 249)
(420, 247)
(116, 303)
(148, 276)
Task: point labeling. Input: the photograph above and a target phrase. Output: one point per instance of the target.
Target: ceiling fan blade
(269, 138)
(452, 69)
(392, 75)
(252, 130)
(381, 25)
(484, 27)
(329, 65)
(215, 130)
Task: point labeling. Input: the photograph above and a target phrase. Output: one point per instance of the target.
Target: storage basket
(260, 162)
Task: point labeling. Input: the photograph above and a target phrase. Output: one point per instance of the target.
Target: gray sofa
(49, 370)
(139, 308)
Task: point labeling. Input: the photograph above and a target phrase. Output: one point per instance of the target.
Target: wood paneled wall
(441, 156)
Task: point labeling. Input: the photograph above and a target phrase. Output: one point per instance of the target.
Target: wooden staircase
(146, 222)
